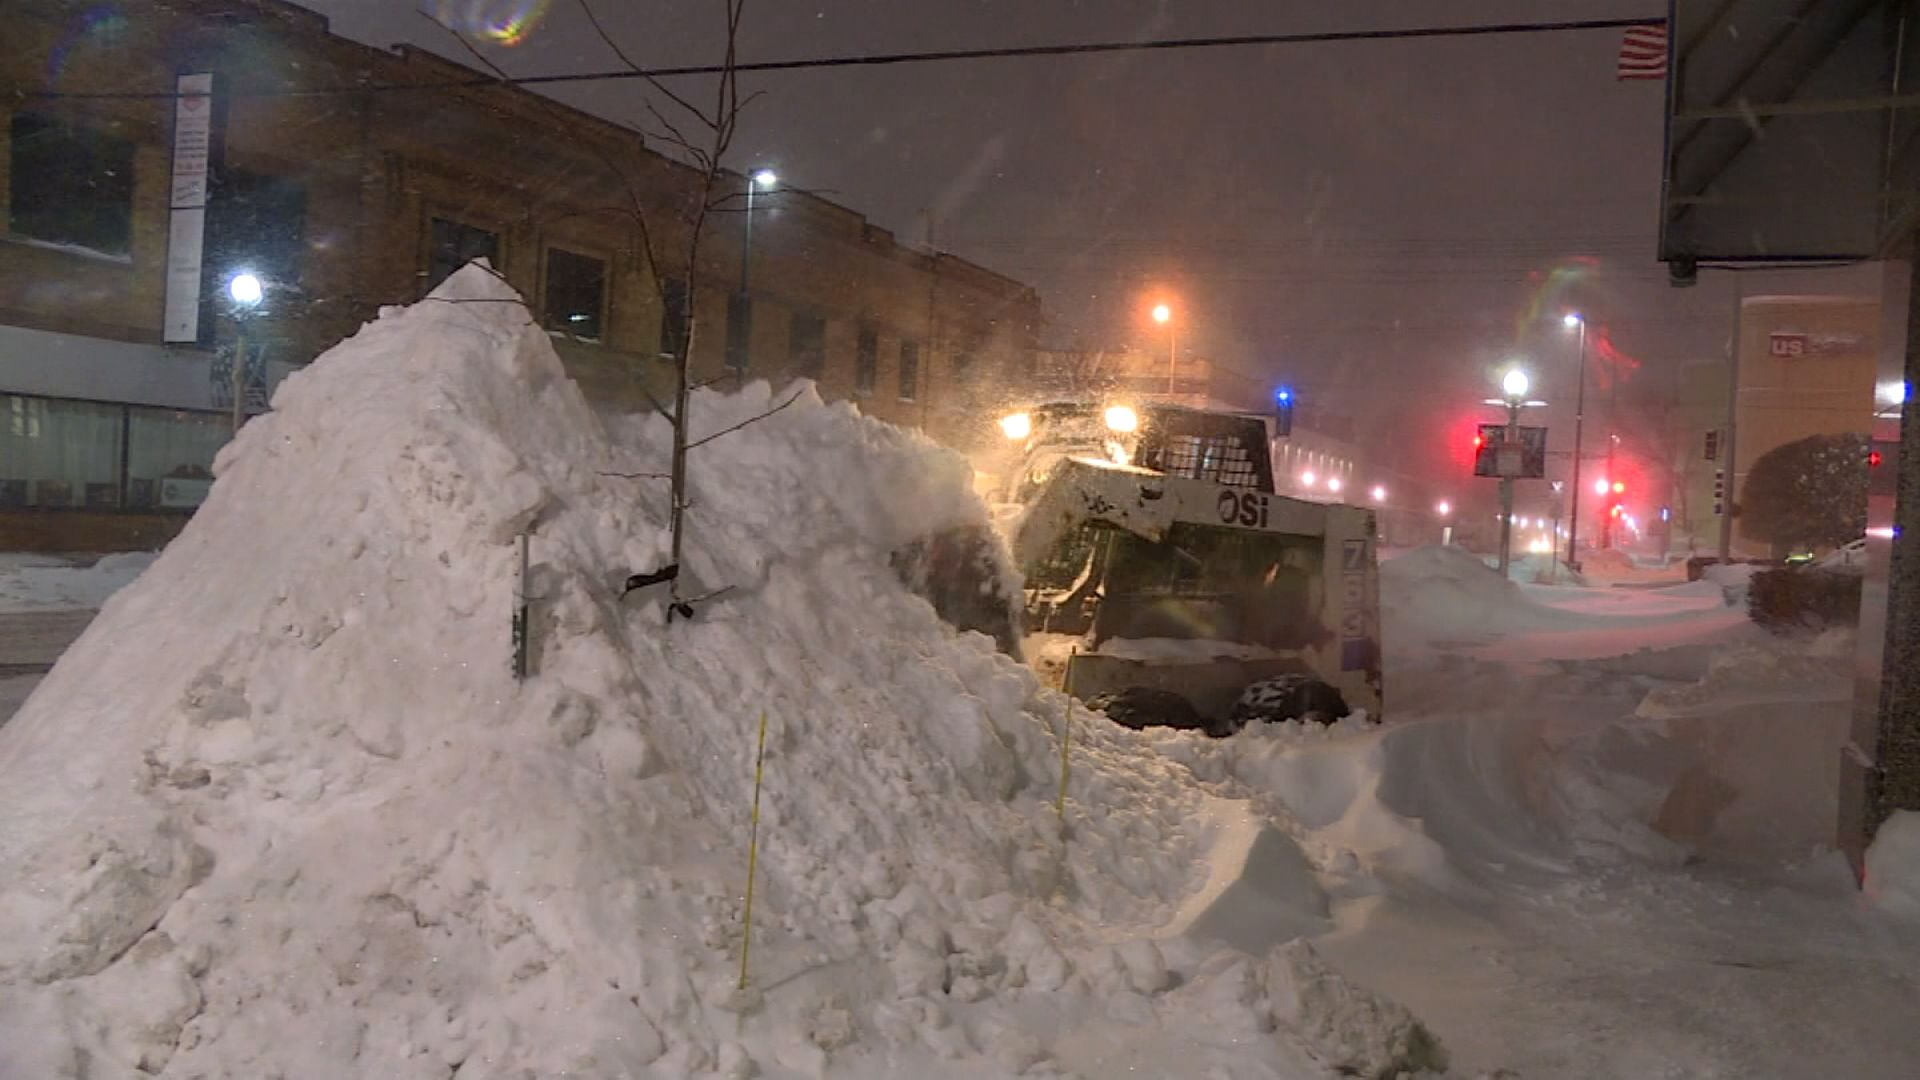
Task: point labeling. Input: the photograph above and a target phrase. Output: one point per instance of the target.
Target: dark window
(455, 245)
(576, 293)
(673, 318)
(866, 362)
(70, 185)
(739, 331)
(256, 223)
(909, 370)
(807, 345)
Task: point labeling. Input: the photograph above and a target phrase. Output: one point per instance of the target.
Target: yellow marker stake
(1066, 734)
(753, 849)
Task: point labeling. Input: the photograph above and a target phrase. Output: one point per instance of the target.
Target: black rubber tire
(1146, 706)
(1289, 697)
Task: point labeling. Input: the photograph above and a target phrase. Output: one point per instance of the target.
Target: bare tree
(700, 136)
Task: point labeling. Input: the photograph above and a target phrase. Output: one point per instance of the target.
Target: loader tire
(1146, 706)
(1289, 697)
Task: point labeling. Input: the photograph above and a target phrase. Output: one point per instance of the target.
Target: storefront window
(170, 457)
(59, 454)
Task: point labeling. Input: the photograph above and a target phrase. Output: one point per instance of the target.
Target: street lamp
(1379, 493)
(1444, 508)
(761, 178)
(246, 291)
(1513, 385)
(1163, 315)
(1333, 484)
(1575, 321)
(1307, 478)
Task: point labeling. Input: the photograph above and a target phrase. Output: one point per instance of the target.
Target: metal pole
(239, 374)
(1579, 450)
(1506, 486)
(1733, 407)
(746, 238)
(1171, 353)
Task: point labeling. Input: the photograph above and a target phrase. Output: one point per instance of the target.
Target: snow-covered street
(293, 815)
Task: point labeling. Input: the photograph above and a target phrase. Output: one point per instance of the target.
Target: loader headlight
(1016, 426)
(1122, 419)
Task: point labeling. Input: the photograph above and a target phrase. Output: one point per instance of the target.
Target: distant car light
(1121, 418)
(1016, 426)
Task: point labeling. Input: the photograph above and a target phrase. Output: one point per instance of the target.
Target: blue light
(1284, 395)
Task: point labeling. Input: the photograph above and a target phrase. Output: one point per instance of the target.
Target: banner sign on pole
(187, 204)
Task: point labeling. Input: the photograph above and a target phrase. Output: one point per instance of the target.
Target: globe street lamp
(761, 178)
(1513, 385)
(1163, 315)
(246, 291)
(1575, 321)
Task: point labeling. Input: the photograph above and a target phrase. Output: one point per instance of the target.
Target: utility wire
(896, 59)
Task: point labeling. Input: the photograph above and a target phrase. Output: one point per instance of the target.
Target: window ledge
(76, 250)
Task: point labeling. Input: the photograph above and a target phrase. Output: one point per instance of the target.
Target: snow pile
(43, 583)
(1445, 596)
(325, 833)
(1893, 865)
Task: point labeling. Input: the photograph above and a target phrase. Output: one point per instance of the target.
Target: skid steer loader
(1195, 603)
(1156, 554)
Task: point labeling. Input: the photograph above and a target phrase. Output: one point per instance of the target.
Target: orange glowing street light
(1163, 314)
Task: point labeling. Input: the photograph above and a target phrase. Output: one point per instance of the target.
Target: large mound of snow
(283, 810)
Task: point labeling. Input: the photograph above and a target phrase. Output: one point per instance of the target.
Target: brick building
(343, 194)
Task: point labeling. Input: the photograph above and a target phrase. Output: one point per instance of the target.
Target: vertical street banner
(187, 206)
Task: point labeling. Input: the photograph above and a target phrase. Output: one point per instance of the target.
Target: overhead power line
(939, 56)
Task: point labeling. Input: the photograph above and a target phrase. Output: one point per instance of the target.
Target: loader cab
(1229, 448)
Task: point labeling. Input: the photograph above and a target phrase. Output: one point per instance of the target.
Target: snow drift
(283, 810)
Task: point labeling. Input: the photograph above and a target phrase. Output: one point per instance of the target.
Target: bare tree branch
(749, 420)
(638, 475)
(607, 40)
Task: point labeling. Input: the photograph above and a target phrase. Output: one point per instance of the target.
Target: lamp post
(758, 179)
(245, 290)
(1163, 315)
(1514, 387)
(1573, 321)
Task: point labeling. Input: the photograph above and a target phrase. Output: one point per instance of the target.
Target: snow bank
(43, 583)
(1893, 866)
(282, 810)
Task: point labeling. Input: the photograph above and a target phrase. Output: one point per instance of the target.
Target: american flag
(1643, 52)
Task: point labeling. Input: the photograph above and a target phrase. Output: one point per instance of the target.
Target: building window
(70, 185)
(866, 362)
(257, 223)
(170, 456)
(673, 318)
(576, 294)
(909, 370)
(454, 245)
(60, 454)
(807, 345)
(739, 331)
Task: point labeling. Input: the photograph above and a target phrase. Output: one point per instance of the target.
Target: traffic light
(1719, 491)
(1619, 488)
(1713, 446)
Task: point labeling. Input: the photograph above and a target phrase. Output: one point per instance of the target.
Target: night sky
(1382, 224)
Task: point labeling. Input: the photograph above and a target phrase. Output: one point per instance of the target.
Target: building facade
(346, 178)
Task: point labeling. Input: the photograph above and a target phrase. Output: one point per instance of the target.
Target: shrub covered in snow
(1893, 865)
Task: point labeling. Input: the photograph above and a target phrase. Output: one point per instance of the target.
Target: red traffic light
(1873, 459)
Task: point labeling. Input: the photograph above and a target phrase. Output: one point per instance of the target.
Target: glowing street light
(1333, 484)
(1444, 508)
(1379, 493)
(1572, 320)
(245, 289)
(1515, 384)
(1307, 478)
(759, 178)
(1162, 314)
(1601, 487)
(766, 178)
